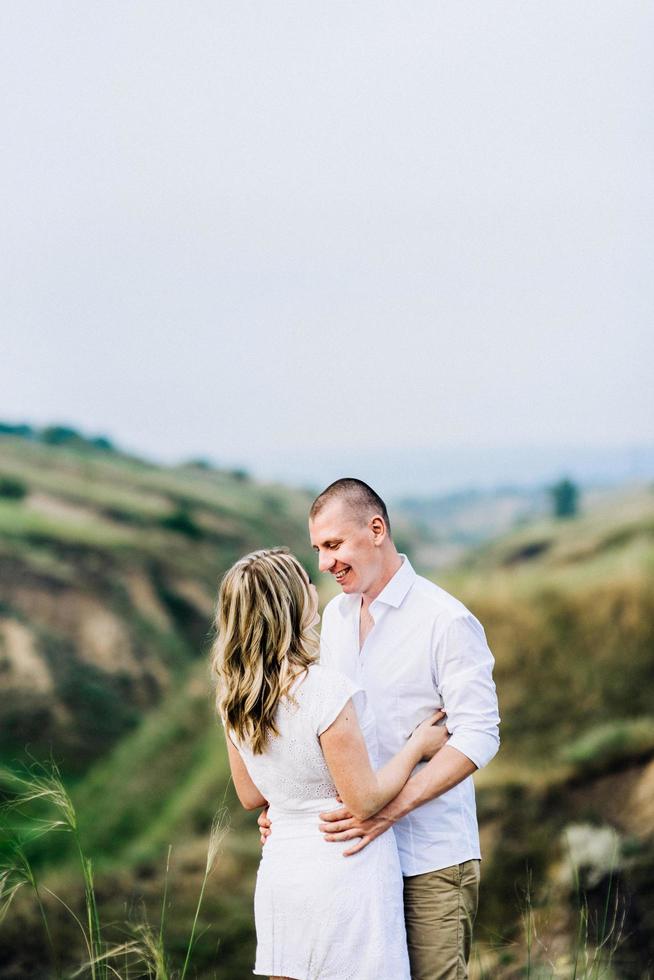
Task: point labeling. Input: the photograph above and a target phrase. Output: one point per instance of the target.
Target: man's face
(347, 547)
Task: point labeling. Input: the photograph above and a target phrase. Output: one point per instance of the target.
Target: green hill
(569, 612)
(108, 573)
(568, 607)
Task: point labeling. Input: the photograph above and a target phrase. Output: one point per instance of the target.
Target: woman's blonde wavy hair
(265, 639)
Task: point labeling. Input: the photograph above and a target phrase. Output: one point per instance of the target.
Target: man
(413, 648)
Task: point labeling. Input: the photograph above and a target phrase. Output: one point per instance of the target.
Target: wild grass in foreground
(596, 940)
(39, 804)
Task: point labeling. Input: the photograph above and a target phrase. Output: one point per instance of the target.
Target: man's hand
(341, 825)
(265, 826)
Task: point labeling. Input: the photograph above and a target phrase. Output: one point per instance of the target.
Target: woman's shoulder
(322, 678)
(323, 672)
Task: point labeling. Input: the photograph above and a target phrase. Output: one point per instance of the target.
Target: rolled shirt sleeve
(464, 674)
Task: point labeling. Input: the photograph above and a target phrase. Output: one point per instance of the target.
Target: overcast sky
(231, 226)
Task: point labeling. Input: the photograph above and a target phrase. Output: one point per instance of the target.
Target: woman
(299, 736)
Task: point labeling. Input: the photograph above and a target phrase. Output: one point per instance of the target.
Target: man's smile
(341, 573)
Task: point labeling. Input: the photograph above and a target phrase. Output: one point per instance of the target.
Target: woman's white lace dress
(319, 915)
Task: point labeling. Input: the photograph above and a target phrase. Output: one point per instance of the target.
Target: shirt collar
(393, 593)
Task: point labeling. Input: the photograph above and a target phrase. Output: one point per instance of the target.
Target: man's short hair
(358, 496)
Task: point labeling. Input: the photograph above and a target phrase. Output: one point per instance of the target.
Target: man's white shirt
(425, 651)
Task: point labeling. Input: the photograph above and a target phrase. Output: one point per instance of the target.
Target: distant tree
(239, 474)
(61, 435)
(565, 498)
(101, 442)
(21, 430)
(12, 488)
(65, 435)
(199, 464)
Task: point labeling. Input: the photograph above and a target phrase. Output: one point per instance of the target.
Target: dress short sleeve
(333, 691)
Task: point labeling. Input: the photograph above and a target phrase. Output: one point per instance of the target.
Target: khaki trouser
(439, 910)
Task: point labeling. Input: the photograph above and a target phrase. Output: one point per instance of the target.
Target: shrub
(11, 488)
(181, 521)
(612, 743)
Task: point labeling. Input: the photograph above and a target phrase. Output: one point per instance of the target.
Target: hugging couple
(360, 747)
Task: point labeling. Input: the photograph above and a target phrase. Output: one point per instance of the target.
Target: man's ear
(378, 528)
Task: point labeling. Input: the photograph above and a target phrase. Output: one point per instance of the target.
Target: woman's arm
(362, 790)
(246, 791)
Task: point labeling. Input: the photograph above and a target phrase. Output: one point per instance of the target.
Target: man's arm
(447, 769)
(463, 664)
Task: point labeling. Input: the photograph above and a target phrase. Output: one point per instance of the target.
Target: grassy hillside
(567, 806)
(572, 628)
(569, 611)
(108, 573)
(568, 608)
